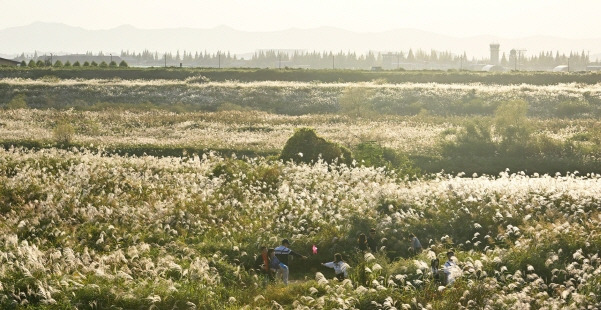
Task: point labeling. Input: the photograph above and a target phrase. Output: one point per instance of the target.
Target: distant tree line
(410, 60)
(418, 59)
(48, 63)
(293, 59)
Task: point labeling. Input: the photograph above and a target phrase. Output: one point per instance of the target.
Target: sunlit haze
(513, 18)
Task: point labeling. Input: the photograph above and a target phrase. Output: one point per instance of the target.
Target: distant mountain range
(60, 38)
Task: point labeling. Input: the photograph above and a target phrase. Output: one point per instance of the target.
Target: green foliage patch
(306, 147)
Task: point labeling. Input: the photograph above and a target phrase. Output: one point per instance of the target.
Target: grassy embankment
(369, 97)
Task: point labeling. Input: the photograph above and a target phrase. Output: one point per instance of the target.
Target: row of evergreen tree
(274, 58)
(48, 63)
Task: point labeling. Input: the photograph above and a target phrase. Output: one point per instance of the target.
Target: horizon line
(497, 36)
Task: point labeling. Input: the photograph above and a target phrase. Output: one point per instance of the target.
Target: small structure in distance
(8, 62)
(561, 68)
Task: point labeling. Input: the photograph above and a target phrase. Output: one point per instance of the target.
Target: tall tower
(494, 53)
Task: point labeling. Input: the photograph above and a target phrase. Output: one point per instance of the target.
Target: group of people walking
(274, 262)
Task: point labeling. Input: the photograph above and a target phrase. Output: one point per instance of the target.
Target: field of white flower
(298, 98)
(84, 226)
(554, 145)
(236, 130)
(99, 231)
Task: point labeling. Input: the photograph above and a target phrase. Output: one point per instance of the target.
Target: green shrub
(474, 139)
(113, 64)
(93, 64)
(568, 109)
(86, 64)
(18, 102)
(31, 64)
(414, 108)
(67, 63)
(76, 64)
(63, 133)
(58, 63)
(371, 154)
(123, 64)
(305, 146)
(512, 126)
(40, 63)
(103, 64)
(542, 145)
(475, 106)
(356, 102)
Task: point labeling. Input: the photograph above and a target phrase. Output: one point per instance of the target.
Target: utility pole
(51, 64)
(587, 60)
(165, 60)
(517, 56)
(219, 56)
(461, 63)
(280, 56)
(333, 62)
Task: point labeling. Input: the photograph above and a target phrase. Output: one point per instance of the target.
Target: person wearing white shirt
(340, 267)
(450, 268)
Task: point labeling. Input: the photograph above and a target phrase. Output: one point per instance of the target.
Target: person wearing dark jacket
(282, 252)
(362, 244)
(262, 264)
(416, 246)
(372, 241)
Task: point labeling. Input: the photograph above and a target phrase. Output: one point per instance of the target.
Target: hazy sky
(508, 18)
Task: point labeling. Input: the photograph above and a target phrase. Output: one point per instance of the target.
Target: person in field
(283, 253)
(416, 246)
(434, 265)
(278, 267)
(372, 240)
(451, 270)
(362, 244)
(262, 263)
(340, 267)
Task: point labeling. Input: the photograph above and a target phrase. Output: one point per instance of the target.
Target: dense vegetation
(156, 194)
(88, 230)
(455, 127)
(92, 71)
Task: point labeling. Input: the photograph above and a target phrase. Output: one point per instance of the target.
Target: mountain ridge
(53, 37)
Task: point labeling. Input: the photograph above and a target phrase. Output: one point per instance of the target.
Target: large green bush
(371, 154)
(305, 146)
(512, 126)
(474, 139)
(510, 135)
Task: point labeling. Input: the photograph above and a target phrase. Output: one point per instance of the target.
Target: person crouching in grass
(340, 267)
(262, 265)
(277, 266)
